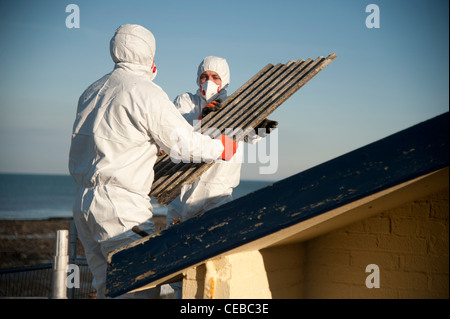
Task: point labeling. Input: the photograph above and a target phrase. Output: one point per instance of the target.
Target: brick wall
(409, 244)
(237, 276)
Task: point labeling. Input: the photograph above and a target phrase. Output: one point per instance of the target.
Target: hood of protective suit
(133, 44)
(218, 65)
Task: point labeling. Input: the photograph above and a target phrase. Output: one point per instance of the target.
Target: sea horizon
(34, 196)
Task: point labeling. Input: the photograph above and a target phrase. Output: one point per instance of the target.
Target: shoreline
(28, 242)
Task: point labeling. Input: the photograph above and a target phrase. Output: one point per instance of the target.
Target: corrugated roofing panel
(242, 111)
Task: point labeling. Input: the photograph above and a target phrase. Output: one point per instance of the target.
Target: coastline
(32, 242)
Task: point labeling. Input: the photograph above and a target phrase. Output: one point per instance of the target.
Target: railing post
(60, 263)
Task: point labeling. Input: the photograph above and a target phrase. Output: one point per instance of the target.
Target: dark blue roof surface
(403, 156)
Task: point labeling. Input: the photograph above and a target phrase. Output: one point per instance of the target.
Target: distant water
(51, 196)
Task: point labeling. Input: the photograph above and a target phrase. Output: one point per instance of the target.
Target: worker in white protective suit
(214, 187)
(122, 120)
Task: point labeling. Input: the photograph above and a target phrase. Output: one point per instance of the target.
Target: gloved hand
(160, 153)
(266, 127)
(229, 147)
(214, 106)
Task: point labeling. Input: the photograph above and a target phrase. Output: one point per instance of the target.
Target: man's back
(110, 140)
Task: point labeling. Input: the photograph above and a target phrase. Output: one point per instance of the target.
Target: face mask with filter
(210, 90)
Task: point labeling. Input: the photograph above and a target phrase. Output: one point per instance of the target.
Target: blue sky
(384, 80)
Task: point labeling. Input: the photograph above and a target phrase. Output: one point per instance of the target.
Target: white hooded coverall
(214, 187)
(121, 121)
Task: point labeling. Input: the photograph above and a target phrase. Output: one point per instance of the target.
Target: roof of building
(279, 212)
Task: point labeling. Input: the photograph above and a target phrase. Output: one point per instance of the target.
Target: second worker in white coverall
(214, 187)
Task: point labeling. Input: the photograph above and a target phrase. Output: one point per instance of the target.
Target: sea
(28, 196)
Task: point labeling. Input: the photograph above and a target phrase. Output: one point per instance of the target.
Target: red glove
(229, 147)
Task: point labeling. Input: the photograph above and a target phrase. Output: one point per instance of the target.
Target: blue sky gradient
(384, 80)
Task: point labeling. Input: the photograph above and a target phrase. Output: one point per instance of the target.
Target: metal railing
(51, 280)
(36, 282)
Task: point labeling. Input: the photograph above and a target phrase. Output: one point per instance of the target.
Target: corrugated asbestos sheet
(242, 111)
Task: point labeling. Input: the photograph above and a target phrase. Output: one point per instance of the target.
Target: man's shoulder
(128, 80)
(144, 87)
(153, 87)
(186, 99)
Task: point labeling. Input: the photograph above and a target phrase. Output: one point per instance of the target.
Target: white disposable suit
(122, 120)
(214, 187)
